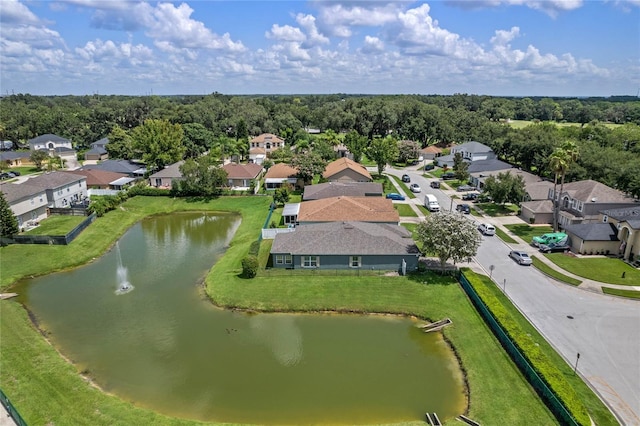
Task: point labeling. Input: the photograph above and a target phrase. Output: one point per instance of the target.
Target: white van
(431, 203)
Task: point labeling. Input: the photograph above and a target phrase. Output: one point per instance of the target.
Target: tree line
(224, 123)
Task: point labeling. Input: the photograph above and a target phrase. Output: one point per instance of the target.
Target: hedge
(549, 373)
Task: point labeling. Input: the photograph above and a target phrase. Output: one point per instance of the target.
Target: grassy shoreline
(47, 389)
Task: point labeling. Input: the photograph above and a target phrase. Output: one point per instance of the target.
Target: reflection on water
(165, 348)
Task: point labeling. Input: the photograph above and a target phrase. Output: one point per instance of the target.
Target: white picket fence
(270, 233)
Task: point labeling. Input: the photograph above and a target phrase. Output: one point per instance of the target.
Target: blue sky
(486, 47)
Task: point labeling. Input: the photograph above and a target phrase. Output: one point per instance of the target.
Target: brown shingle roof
(342, 164)
(267, 137)
(256, 151)
(97, 177)
(281, 171)
(338, 209)
(431, 149)
(242, 171)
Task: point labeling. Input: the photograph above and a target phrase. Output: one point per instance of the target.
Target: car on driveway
(487, 229)
(395, 196)
(521, 257)
(465, 188)
(554, 248)
(463, 208)
(415, 188)
(406, 178)
(435, 184)
(470, 196)
(448, 176)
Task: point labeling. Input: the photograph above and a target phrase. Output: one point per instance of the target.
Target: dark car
(464, 208)
(395, 196)
(15, 172)
(429, 167)
(554, 248)
(448, 176)
(406, 178)
(470, 196)
(435, 184)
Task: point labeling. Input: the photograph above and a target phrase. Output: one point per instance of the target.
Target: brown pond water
(162, 346)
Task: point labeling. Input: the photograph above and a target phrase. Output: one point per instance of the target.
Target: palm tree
(560, 161)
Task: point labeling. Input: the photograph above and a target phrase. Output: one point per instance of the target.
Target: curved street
(604, 330)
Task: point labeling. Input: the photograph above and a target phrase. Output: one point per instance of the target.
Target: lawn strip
(631, 294)
(504, 236)
(545, 269)
(405, 210)
(602, 269)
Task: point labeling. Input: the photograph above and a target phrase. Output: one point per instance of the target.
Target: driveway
(604, 330)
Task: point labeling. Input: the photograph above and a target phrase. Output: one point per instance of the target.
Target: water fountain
(124, 286)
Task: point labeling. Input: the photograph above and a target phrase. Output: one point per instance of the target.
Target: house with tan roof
(164, 178)
(348, 209)
(241, 177)
(281, 174)
(346, 170)
(346, 245)
(429, 153)
(262, 145)
(102, 179)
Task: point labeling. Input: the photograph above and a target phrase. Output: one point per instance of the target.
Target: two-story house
(98, 151)
(62, 188)
(470, 151)
(28, 203)
(262, 145)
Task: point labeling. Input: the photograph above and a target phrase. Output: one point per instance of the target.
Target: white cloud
(550, 7)
(308, 22)
(338, 18)
(14, 13)
(285, 33)
(502, 38)
(372, 44)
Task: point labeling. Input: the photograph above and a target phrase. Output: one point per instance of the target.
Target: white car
(415, 188)
(521, 257)
(487, 229)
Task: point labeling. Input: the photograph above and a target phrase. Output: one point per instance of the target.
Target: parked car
(406, 178)
(15, 172)
(429, 167)
(395, 196)
(487, 229)
(464, 208)
(554, 247)
(435, 184)
(521, 257)
(415, 188)
(470, 196)
(465, 188)
(448, 176)
(4, 175)
(550, 238)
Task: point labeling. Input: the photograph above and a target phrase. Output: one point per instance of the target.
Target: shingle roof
(267, 137)
(118, 166)
(361, 209)
(96, 150)
(344, 163)
(13, 155)
(336, 189)
(170, 171)
(55, 179)
(431, 149)
(489, 165)
(101, 142)
(631, 215)
(592, 191)
(593, 231)
(539, 206)
(257, 151)
(98, 177)
(47, 138)
(242, 171)
(281, 171)
(346, 238)
(17, 191)
(472, 146)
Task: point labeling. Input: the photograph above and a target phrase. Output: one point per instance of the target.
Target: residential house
(470, 151)
(242, 176)
(55, 146)
(164, 178)
(98, 151)
(593, 238)
(627, 223)
(262, 145)
(346, 245)
(580, 202)
(337, 189)
(348, 209)
(62, 188)
(346, 170)
(342, 151)
(429, 153)
(129, 168)
(28, 203)
(14, 158)
(101, 182)
(282, 174)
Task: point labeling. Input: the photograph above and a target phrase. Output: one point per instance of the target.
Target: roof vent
(594, 199)
(347, 225)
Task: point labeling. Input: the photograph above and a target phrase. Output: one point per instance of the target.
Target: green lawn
(493, 209)
(405, 210)
(56, 225)
(545, 269)
(504, 236)
(602, 269)
(527, 232)
(47, 389)
(632, 294)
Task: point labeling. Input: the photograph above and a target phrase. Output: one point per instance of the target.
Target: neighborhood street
(604, 330)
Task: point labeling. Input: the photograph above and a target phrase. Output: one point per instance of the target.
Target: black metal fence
(546, 394)
(13, 412)
(55, 239)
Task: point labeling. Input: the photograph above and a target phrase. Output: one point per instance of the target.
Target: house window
(355, 261)
(283, 259)
(310, 261)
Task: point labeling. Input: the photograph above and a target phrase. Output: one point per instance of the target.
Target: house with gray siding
(62, 188)
(28, 203)
(346, 245)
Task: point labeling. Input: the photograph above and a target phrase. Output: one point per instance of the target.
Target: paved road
(604, 330)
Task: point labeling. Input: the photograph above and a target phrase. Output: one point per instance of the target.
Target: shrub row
(549, 373)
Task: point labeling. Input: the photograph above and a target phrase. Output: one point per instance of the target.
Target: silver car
(521, 257)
